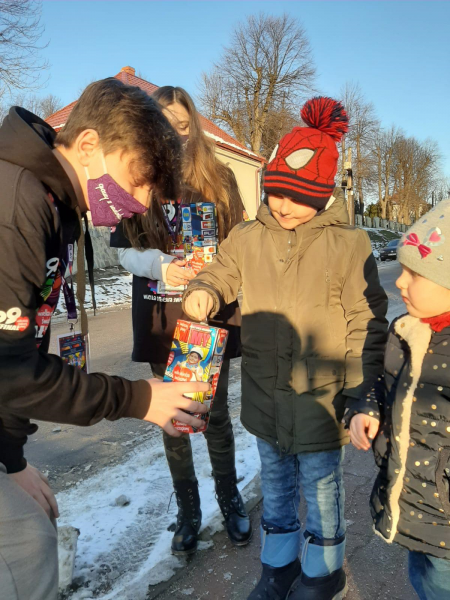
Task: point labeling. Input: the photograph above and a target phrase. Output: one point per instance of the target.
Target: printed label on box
(196, 355)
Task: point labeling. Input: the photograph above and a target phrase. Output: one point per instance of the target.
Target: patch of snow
(124, 549)
(109, 291)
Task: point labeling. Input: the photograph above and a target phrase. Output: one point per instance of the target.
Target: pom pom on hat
(326, 115)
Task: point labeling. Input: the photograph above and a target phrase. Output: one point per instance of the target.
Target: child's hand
(198, 305)
(363, 429)
(177, 275)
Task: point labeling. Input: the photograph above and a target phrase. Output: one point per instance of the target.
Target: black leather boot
(276, 584)
(330, 587)
(189, 518)
(237, 521)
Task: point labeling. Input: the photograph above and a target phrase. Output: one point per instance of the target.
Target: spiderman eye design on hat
(300, 158)
(297, 159)
(274, 153)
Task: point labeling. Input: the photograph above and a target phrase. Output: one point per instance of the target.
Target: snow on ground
(112, 288)
(124, 548)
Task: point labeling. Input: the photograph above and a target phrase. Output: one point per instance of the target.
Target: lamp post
(347, 184)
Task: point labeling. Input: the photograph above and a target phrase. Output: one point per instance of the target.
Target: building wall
(247, 173)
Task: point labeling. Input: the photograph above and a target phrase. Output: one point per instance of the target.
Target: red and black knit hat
(304, 163)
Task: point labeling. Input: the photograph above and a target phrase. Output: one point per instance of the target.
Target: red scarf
(438, 323)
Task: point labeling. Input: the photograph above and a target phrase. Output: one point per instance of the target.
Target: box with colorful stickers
(199, 232)
(197, 242)
(196, 355)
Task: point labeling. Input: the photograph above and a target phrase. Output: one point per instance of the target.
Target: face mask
(109, 203)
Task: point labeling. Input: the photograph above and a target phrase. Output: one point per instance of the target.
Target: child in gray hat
(408, 411)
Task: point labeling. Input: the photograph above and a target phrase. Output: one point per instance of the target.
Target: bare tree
(441, 189)
(49, 105)
(384, 147)
(364, 126)
(41, 106)
(266, 70)
(20, 32)
(415, 173)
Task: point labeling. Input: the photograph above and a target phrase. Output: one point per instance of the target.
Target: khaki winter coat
(313, 324)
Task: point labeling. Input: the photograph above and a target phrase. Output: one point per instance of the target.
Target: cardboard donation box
(196, 355)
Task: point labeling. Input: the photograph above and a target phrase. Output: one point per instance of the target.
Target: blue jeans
(429, 576)
(319, 474)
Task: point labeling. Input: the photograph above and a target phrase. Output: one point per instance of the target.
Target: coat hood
(27, 141)
(336, 214)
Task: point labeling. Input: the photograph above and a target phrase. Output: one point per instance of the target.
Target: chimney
(128, 70)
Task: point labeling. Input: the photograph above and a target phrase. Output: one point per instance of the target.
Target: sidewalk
(375, 570)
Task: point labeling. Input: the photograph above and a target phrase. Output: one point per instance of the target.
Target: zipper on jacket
(288, 255)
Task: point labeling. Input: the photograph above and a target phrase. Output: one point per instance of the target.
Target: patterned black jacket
(410, 501)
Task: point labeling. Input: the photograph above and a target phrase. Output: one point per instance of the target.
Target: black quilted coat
(410, 500)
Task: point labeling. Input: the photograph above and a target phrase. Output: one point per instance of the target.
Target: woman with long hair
(145, 243)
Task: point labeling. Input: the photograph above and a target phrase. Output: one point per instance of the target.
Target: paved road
(376, 571)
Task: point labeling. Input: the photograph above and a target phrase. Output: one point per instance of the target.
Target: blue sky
(399, 52)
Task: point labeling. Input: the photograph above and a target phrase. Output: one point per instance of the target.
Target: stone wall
(104, 256)
(377, 223)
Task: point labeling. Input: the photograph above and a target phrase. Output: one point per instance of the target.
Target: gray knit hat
(425, 248)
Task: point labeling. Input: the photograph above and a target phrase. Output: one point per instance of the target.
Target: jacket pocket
(325, 371)
(261, 367)
(443, 479)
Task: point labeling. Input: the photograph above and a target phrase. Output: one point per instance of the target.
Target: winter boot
(189, 518)
(277, 583)
(330, 587)
(237, 521)
(319, 557)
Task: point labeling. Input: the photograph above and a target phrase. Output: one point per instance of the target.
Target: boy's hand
(177, 275)
(168, 403)
(363, 429)
(198, 305)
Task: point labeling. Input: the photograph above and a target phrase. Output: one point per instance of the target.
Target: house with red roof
(245, 164)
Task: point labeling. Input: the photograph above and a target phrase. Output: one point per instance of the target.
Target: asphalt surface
(376, 571)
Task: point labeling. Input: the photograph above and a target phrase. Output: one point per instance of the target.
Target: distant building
(245, 164)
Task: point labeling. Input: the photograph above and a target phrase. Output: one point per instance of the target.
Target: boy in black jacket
(410, 407)
(115, 147)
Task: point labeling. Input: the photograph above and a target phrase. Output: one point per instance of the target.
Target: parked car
(389, 252)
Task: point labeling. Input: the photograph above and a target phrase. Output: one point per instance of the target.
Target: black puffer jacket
(410, 500)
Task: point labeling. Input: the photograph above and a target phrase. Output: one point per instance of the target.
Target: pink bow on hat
(413, 240)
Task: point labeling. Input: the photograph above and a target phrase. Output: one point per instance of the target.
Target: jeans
(319, 475)
(429, 576)
(219, 437)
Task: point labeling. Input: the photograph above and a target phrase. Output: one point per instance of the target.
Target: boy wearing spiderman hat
(313, 335)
